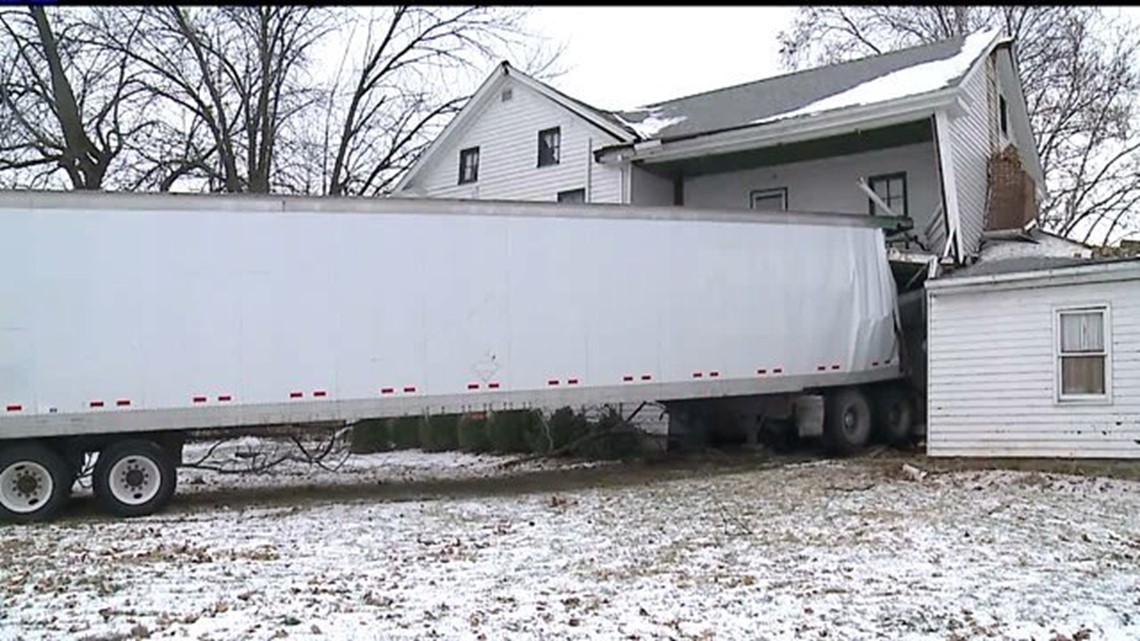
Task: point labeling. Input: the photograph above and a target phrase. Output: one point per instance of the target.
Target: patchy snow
(241, 457)
(843, 550)
(911, 81)
(651, 124)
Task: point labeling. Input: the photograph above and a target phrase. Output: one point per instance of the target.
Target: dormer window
(549, 146)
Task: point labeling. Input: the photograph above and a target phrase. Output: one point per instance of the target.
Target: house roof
(889, 76)
(1037, 270)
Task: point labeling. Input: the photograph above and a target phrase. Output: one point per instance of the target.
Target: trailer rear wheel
(134, 478)
(894, 414)
(847, 421)
(34, 483)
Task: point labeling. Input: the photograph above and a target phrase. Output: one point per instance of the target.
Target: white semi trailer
(127, 320)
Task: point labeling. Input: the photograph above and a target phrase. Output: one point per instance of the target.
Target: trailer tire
(134, 477)
(847, 421)
(894, 415)
(34, 483)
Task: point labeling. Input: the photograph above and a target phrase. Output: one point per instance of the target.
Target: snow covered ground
(836, 550)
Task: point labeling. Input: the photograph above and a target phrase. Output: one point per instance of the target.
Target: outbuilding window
(1083, 355)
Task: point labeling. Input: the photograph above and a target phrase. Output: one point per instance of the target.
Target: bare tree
(229, 79)
(1079, 74)
(67, 105)
(414, 72)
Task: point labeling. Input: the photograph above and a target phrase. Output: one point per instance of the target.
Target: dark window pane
(572, 196)
(549, 146)
(1082, 375)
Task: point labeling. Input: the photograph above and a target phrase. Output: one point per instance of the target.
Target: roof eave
(501, 71)
(594, 118)
(783, 131)
(1126, 269)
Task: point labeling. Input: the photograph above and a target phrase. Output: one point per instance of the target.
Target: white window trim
(1061, 398)
(782, 192)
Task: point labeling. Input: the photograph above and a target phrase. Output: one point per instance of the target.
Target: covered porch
(887, 171)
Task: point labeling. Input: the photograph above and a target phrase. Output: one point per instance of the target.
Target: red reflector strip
(296, 394)
(835, 366)
(388, 390)
(572, 381)
(646, 377)
(225, 398)
(199, 399)
(493, 385)
(15, 408)
(627, 378)
(409, 389)
(714, 374)
(123, 402)
(319, 393)
(472, 386)
(761, 371)
(96, 403)
(697, 375)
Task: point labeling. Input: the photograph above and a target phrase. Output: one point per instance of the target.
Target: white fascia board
(580, 111)
(792, 130)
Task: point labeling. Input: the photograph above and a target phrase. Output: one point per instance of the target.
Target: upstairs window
(770, 199)
(468, 165)
(1082, 354)
(549, 146)
(891, 188)
(572, 196)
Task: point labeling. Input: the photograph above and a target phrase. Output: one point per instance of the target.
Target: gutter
(780, 131)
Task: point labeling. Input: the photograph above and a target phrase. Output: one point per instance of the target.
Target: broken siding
(991, 375)
(506, 133)
(972, 140)
(829, 184)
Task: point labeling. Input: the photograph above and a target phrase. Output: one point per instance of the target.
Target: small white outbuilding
(1035, 357)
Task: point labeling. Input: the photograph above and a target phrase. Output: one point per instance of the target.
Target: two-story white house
(937, 133)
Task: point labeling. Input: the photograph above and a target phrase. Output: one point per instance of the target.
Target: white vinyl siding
(993, 373)
(506, 133)
(972, 142)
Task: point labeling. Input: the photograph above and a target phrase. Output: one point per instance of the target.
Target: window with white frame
(775, 199)
(1083, 354)
(891, 189)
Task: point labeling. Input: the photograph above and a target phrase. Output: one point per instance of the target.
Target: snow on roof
(909, 81)
(650, 124)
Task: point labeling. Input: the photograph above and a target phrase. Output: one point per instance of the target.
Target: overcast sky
(624, 57)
